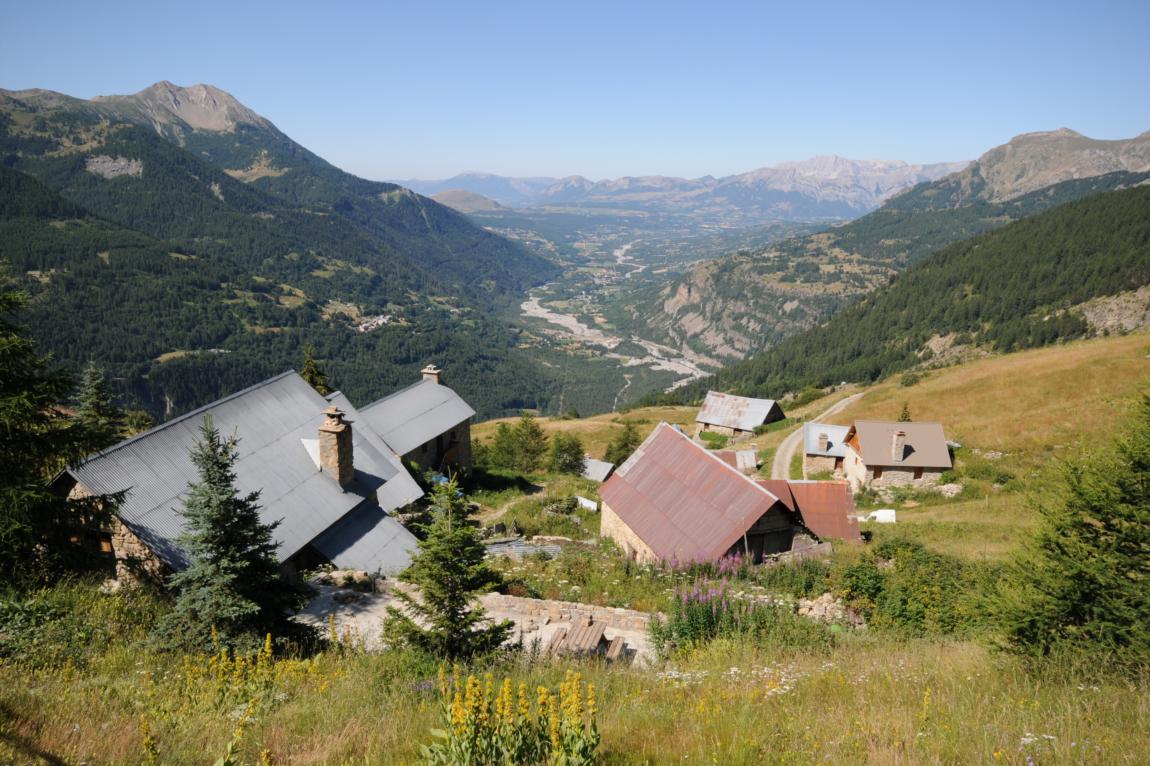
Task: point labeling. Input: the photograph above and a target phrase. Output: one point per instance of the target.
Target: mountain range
(827, 187)
(745, 302)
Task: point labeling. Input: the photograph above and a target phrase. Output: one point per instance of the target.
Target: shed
(735, 415)
(597, 470)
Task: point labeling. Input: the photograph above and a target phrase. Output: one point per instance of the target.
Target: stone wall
(610, 525)
(134, 560)
(862, 476)
(813, 464)
(531, 613)
(451, 449)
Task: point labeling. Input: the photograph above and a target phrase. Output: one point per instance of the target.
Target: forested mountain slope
(1017, 287)
(190, 280)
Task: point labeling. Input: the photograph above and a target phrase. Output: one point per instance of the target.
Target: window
(878, 472)
(917, 474)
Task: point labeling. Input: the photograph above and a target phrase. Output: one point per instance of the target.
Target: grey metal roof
(739, 412)
(416, 414)
(925, 445)
(367, 539)
(836, 434)
(597, 470)
(272, 420)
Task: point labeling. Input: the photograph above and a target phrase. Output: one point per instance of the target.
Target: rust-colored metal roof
(745, 461)
(739, 412)
(827, 508)
(681, 500)
(780, 488)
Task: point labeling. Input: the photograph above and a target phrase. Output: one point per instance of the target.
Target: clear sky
(422, 89)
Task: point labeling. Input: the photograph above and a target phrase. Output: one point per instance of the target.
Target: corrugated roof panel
(370, 540)
(597, 470)
(739, 412)
(686, 504)
(827, 508)
(415, 415)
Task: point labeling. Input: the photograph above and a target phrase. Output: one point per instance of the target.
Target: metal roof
(415, 415)
(925, 444)
(836, 434)
(682, 501)
(827, 508)
(367, 539)
(745, 461)
(739, 412)
(597, 470)
(273, 420)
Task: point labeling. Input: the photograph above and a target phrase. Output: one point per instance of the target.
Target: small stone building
(735, 416)
(330, 484)
(888, 453)
(426, 423)
(674, 501)
(824, 449)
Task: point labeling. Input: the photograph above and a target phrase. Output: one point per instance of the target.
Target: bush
(488, 726)
(707, 610)
(909, 379)
(714, 440)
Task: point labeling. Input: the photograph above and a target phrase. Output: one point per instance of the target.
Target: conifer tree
(622, 446)
(36, 441)
(102, 420)
(530, 443)
(904, 415)
(233, 584)
(567, 455)
(1085, 584)
(450, 570)
(312, 373)
(502, 453)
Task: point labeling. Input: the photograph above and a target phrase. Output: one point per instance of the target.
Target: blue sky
(603, 89)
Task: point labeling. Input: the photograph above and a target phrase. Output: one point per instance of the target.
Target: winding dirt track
(780, 467)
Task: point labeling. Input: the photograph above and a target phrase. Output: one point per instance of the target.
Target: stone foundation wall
(610, 525)
(134, 560)
(531, 613)
(813, 464)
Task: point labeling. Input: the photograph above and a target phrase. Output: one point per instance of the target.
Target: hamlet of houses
(332, 477)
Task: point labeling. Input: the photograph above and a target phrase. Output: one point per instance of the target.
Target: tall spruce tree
(102, 420)
(904, 414)
(450, 570)
(567, 454)
(530, 443)
(1085, 584)
(312, 373)
(623, 445)
(36, 441)
(233, 585)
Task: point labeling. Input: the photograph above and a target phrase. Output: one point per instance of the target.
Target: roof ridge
(199, 410)
(408, 387)
(718, 460)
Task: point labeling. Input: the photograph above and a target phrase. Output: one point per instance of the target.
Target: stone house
(426, 423)
(674, 501)
(824, 449)
(735, 416)
(888, 453)
(322, 469)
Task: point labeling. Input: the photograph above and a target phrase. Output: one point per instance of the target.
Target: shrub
(708, 610)
(486, 726)
(909, 379)
(714, 440)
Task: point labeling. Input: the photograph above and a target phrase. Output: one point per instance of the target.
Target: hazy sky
(421, 89)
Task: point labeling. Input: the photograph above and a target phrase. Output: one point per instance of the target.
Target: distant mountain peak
(200, 107)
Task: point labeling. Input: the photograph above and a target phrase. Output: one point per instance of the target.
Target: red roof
(827, 508)
(780, 488)
(682, 501)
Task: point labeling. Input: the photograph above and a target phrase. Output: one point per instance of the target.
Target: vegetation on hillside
(1012, 289)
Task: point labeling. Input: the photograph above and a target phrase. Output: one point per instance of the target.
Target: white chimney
(824, 443)
(431, 372)
(898, 446)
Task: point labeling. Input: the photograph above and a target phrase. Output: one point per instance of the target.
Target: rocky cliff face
(198, 107)
(1034, 161)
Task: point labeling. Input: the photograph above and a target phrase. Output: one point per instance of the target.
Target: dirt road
(780, 468)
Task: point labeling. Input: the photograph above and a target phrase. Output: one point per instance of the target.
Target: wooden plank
(558, 640)
(616, 648)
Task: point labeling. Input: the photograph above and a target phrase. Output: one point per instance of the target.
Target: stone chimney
(824, 443)
(898, 446)
(335, 449)
(431, 372)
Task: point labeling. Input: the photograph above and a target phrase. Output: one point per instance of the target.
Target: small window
(106, 544)
(878, 472)
(917, 473)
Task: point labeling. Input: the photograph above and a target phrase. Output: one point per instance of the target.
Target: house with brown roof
(888, 453)
(735, 416)
(674, 501)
